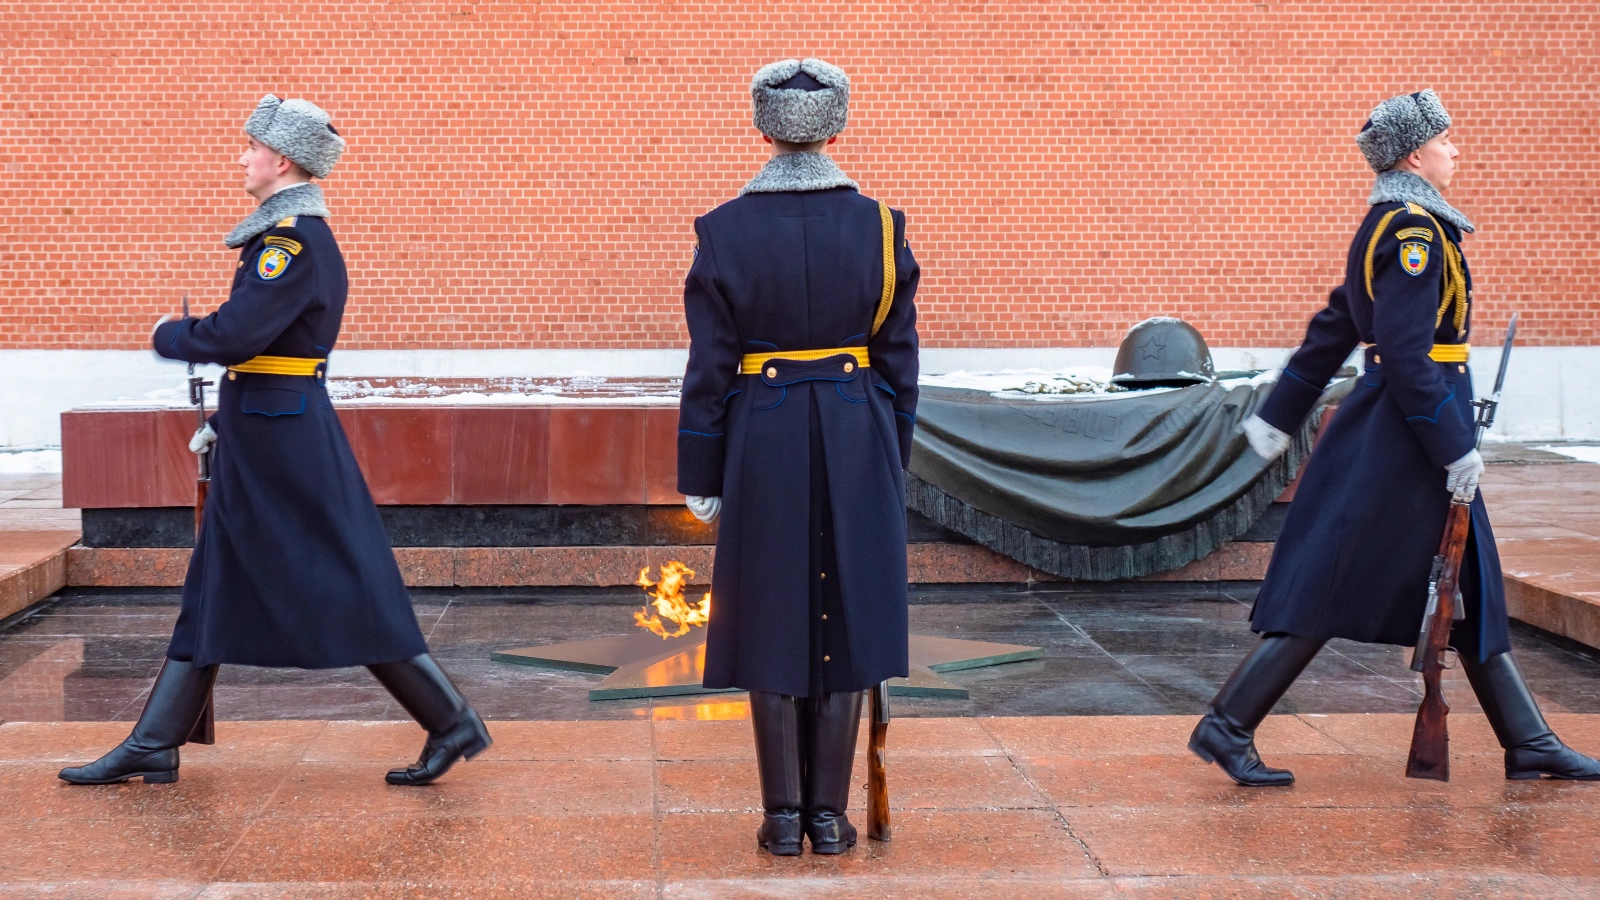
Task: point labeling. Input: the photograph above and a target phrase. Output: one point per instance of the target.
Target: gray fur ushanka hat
(300, 130)
(1399, 126)
(800, 101)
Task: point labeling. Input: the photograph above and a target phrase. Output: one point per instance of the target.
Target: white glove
(1461, 477)
(706, 509)
(204, 437)
(1268, 442)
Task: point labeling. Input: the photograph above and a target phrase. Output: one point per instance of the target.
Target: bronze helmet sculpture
(1163, 352)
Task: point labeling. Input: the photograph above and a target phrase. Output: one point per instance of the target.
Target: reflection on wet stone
(1127, 649)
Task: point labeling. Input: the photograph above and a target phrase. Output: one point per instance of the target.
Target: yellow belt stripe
(279, 365)
(752, 362)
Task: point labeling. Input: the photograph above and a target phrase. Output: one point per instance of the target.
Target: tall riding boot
(1532, 749)
(779, 736)
(1226, 734)
(454, 728)
(177, 699)
(830, 755)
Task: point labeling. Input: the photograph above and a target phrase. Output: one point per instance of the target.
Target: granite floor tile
(702, 786)
(233, 791)
(886, 887)
(705, 740)
(1341, 887)
(559, 848)
(472, 789)
(513, 741)
(1140, 735)
(485, 885)
(108, 889)
(1303, 841)
(189, 848)
(1321, 780)
(986, 844)
(1388, 736)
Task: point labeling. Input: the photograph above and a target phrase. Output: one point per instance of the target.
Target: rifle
(877, 784)
(1430, 738)
(205, 729)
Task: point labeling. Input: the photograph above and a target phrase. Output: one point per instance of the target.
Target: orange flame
(667, 597)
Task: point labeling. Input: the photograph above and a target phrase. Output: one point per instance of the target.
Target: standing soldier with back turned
(1354, 556)
(796, 419)
(292, 566)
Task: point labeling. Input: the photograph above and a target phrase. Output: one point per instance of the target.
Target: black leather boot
(454, 728)
(830, 755)
(780, 735)
(177, 699)
(1226, 734)
(1532, 749)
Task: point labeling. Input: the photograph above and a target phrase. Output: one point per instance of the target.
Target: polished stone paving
(1131, 650)
(983, 807)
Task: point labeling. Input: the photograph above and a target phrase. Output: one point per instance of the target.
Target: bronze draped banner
(1098, 487)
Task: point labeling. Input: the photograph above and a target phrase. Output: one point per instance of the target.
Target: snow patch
(19, 462)
(1580, 453)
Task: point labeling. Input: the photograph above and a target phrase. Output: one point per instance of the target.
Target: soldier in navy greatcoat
(292, 566)
(1354, 556)
(795, 425)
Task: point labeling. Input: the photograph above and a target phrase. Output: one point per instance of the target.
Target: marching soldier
(292, 566)
(795, 424)
(1353, 559)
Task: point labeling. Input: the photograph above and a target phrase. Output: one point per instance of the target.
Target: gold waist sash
(279, 365)
(752, 362)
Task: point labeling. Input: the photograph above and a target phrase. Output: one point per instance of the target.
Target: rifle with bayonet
(877, 763)
(205, 728)
(1430, 738)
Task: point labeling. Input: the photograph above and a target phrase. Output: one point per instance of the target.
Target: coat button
(849, 367)
(233, 376)
(772, 371)
(823, 575)
(827, 659)
(824, 617)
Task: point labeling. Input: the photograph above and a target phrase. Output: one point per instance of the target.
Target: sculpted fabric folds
(1108, 487)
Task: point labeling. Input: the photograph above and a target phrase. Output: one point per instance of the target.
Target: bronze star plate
(643, 665)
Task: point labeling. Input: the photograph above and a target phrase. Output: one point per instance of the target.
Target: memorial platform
(994, 807)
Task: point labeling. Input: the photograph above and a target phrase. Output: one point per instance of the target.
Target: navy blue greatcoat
(809, 584)
(1353, 558)
(292, 566)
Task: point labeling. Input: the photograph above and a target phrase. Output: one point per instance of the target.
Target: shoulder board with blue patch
(1424, 233)
(290, 244)
(287, 223)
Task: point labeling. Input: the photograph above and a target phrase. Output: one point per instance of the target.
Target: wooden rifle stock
(877, 763)
(1430, 739)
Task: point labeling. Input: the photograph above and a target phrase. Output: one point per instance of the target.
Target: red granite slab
(109, 456)
(406, 453)
(597, 456)
(501, 456)
(661, 456)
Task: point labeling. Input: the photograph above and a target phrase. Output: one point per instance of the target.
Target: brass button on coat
(827, 659)
(824, 617)
(772, 371)
(849, 367)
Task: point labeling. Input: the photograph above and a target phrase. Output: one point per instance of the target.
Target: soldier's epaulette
(290, 244)
(1415, 210)
(287, 223)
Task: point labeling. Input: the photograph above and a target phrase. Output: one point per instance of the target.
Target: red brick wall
(524, 174)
